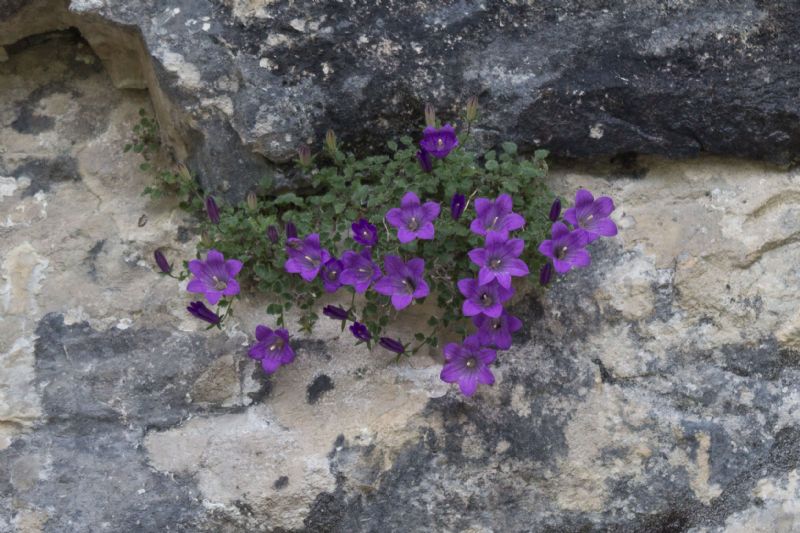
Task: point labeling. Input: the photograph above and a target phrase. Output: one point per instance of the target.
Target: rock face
(239, 84)
(658, 390)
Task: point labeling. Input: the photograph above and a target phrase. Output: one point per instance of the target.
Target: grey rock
(238, 85)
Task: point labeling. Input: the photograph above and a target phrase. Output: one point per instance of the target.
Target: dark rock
(318, 387)
(244, 89)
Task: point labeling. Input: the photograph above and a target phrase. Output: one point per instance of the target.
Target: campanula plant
(373, 233)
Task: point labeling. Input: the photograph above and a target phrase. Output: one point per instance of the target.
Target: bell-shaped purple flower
(439, 142)
(424, 160)
(545, 273)
(566, 248)
(457, 205)
(199, 310)
(271, 348)
(360, 331)
(496, 216)
(364, 233)
(555, 210)
(468, 365)
(335, 312)
(392, 345)
(591, 216)
(499, 260)
(161, 261)
(214, 277)
(496, 331)
(291, 230)
(402, 281)
(412, 220)
(359, 270)
(487, 299)
(306, 257)
(212, 210)
(331, 272)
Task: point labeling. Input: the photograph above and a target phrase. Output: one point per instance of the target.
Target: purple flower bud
(360, 331)
(272, 234)
(424, 161)
(472, 108)
(162, 263)
(304, 155)
(199, 310)
(291, 230)
(430, 115)
(392, 345)
(555, 210)
(212, 210)
(545, 274)
(334, 312)
(457, 205)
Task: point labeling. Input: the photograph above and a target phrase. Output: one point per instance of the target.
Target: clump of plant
(428, 220)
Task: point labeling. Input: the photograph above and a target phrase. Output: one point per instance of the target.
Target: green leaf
(509, 148)
(492, 165)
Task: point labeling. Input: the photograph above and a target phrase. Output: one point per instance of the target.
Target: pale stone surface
(658, 390)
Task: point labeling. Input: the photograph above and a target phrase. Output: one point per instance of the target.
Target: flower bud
(334, 312)
(430, 115)
(424, 160)
(545, 274)
(472, 109)
(199, 310)
(392, 345)
(272, 234)
(457, 205)
(360, 331)
(555, 210)
(304, 155)
(162, 262)
(252, 200)
(212, 210)
(330, 142)
(291, 230)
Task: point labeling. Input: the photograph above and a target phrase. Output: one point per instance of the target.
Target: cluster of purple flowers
(497, 261)
(582, 224)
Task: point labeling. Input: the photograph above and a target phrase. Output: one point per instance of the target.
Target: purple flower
(555, 210)
(566, 248)
(439, 142)
(487, 299)
(403, 281)
(331, 271)
(162, 262)
(412, 220)
(199, 310)
(468, 364)
(545, 273)
(360, 331)
(499, 260)
(359, 270)
(496, 216)
(335, 312)
(214, 276)
(496, 331)
(291, 230)
(272, 234)
(212, 210)
(306, 257)
(272, 348)
(392, 345)
(591, 216)
(364, 233)
(457, 205)
(424, 161)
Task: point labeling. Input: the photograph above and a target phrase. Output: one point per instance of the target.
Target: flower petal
(233, 267)
(485, 376)
(401, 301)
(405, 235)
(426, 232)
(571, 216)
(482, 205)
(197, 286)
(395, 217)
(467, 286)
(394, 265)
(583, 198)
(468, 383)
(486, 276)
(197, 267)
(603, 206)
(262, 332)
(232, 288)
(416, 265)
(478, 256)
(409, 200)
(257, 351)
(451, 372)
(516, 267)
(430, 210)
(215, 258)
(546, 248)
(213, 297)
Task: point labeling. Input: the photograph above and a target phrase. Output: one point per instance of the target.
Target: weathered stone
(238, 85)
(656, 390)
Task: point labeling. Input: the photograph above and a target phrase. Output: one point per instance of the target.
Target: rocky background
(656, 391)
